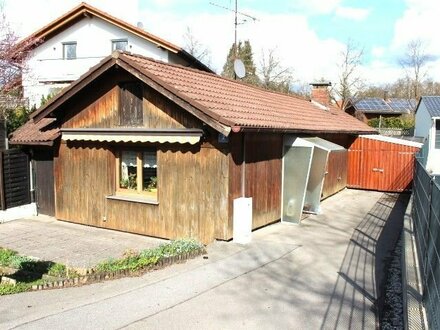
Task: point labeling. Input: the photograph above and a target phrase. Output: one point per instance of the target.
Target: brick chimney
(321, 93)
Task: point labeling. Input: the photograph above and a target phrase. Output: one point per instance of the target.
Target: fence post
(2, 185)
(428, 231)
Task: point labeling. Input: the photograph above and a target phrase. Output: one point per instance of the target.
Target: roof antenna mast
(239, 68)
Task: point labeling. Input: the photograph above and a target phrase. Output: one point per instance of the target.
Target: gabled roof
(85, 10)
(432, 104)
(222, 103)
(393, 106)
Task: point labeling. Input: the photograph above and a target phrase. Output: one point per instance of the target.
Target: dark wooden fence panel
(2, 135)
(14, 182)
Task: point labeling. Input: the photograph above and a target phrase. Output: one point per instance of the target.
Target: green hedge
(392, 122)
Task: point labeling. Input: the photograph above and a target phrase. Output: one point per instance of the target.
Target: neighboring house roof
(85, 10)
(383, 106)
(432, 104)
(222, 103)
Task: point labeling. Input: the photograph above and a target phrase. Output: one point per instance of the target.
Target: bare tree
(274, 75)
(414, 63)
(350, 82)
(13, 58)
(196, 48)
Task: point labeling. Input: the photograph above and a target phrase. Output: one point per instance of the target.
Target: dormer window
(69, 50)
(119, 44)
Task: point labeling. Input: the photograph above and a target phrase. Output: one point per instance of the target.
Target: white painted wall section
(433, 161)
(47, 69)
(423, 122)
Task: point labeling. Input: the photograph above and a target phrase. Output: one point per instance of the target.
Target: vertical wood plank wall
(192, 192)
(193, 181)
(379, 165)
(262, 175)
(336, 178)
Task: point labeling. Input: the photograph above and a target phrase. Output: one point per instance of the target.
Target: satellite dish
(239, 69)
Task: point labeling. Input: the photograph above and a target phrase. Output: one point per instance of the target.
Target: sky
(308, 36)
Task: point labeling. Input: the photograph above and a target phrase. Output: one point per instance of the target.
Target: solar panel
(372, 104)
(401, 105)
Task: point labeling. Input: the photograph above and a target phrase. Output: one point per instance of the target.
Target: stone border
(414, 315)
(100, 277)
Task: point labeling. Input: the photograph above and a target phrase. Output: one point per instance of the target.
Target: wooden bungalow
(163, 150)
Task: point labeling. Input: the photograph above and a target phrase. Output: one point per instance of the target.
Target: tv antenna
(239, 69)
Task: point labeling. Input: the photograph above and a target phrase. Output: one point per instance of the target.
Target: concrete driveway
(325, 274)
(75, 245)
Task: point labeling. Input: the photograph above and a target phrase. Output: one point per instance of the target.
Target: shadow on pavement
(357, 298)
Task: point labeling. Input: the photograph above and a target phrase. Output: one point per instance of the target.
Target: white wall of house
(433, 160)
(423, 121)
(47, 69)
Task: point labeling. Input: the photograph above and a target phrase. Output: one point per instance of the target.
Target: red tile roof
(35, 133)
(248, 106)
(228, 103)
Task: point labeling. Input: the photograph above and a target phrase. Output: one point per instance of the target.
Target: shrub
(392, 122)
(136, 261)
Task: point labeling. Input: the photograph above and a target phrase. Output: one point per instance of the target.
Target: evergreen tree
(244, 53)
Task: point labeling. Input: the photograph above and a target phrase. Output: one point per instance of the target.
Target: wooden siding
(336, 173)
(42, 163)
(130, 104)
(344, 140)
(192, 192)
(262, 175)
(378, 165)
(102, 109)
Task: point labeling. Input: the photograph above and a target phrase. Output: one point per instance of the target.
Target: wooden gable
(119, 100)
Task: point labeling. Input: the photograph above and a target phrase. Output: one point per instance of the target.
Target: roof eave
(82, 10)
(32, 143)
(245, 129)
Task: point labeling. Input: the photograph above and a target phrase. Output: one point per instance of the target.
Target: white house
(76, 41)
(428, 127)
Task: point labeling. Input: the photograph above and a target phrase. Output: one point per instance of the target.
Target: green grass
(135, 261)
(29, 271)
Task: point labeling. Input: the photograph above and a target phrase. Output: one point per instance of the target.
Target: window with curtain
(137, 173)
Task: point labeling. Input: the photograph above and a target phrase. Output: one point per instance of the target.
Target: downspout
(243, 165)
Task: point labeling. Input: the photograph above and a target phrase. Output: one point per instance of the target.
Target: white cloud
(316, 6)
(356, 14)
(378, 51)
(296, 44)
(418, 22)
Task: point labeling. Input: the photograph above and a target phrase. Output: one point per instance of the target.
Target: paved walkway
(76, 245)
(324, 274)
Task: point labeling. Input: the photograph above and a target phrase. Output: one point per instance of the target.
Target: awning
(135, 135)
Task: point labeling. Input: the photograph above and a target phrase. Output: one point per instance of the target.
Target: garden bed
(21, 273)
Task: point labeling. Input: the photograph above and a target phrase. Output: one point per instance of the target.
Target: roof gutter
(239, 129)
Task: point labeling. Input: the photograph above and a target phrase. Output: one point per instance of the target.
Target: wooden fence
(14, 179)
(380, 165)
